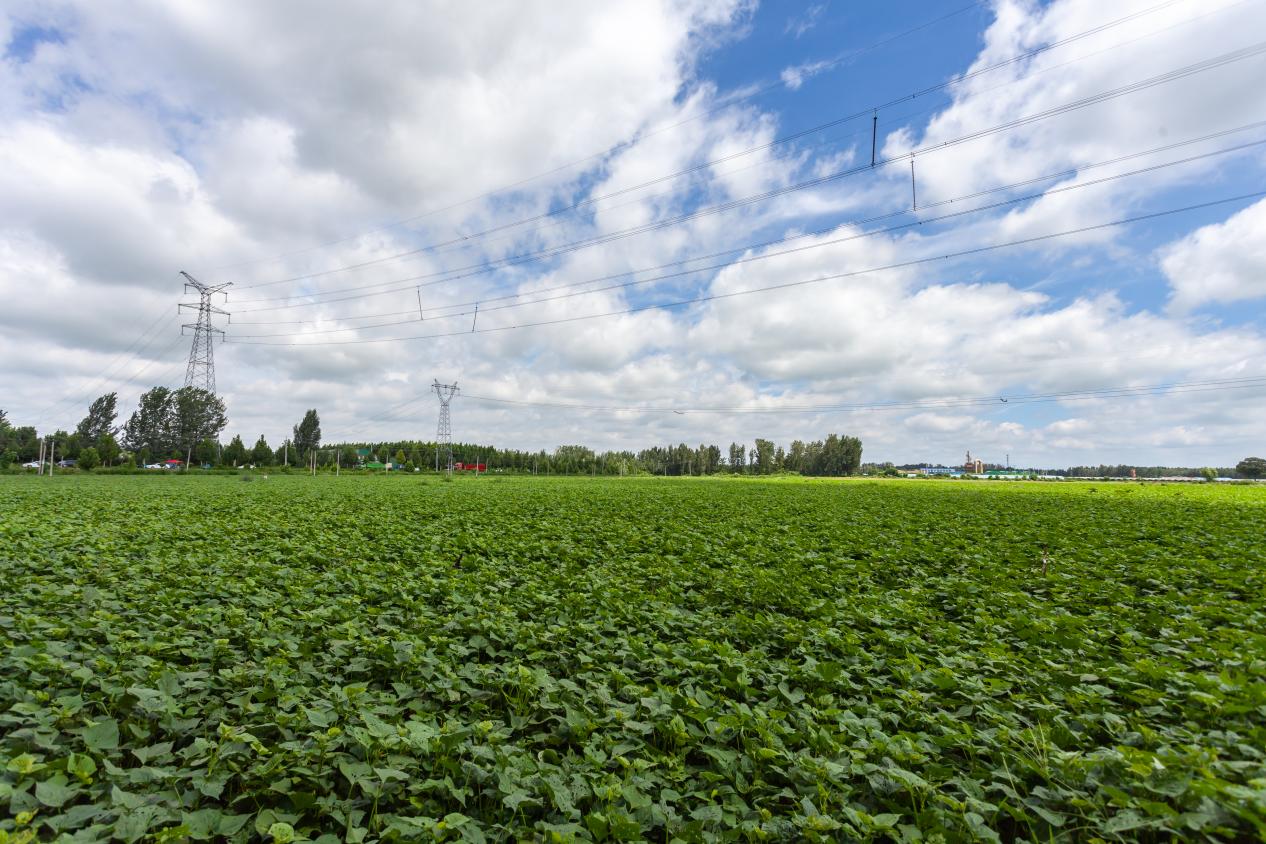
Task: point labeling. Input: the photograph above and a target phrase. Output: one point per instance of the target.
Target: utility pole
(444, 430)
(200, 371)
(52, 456)
(43, 451)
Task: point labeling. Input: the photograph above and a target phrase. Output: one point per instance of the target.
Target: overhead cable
(866, 112)
(574, 292)
(783, 286)
(1209, 64)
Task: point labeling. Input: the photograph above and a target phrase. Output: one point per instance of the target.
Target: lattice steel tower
(201, 369)
(444, 431)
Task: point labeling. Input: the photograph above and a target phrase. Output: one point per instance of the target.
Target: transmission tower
(201, 369)
(444, 431)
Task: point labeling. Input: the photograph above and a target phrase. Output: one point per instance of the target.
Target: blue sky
(781, 36)
(261, 144)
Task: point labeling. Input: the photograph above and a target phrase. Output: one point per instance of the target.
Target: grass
(380, 659)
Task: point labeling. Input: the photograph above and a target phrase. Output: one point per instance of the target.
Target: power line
(388, 415)
(718, 107)
(777, 241)
(131, 351)
(454, 274)
(999, 400)
(865, 113)
(918, 404)
(165, 373)
(913, 95)
(1144, 84)
(764, 256)
(785, 285)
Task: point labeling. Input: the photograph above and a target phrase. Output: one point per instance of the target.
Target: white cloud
(798, 25)
(1148, 45)
(796, 75)
(1222, 262)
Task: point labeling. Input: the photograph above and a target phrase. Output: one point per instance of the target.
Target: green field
(385, 658)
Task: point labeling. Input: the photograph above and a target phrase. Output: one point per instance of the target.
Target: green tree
(100, 420)
(205, 452)
(235, 453)
(261, 454)
(764, 462)
(25, 441)
(285, 454)
(7, 458)
(399, 458)
(307, 434)
(795, 457)
(1251, 467)
(108, 448)
(89, 459)
(1209, 473)
(58, 445)
(197, 415)
(149, 429)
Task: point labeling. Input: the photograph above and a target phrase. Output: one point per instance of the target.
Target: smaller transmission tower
(200, 371)
(444, 431)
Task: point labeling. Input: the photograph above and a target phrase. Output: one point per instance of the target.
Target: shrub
(89, 459)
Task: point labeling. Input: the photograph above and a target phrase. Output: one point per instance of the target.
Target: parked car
(34, 464)
(155, 466)
(68, 463)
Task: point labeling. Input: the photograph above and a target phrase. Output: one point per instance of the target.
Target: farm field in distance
(387, 658)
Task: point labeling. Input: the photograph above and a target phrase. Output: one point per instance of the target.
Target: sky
(665, 214)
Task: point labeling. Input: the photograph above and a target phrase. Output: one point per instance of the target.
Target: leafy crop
(370, 659)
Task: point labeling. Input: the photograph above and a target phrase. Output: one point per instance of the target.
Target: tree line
(835, 455)
(1249, 468)
(179, 424)
(186, 424)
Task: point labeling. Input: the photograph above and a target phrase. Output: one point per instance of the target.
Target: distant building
(937, 470)
(973, 466)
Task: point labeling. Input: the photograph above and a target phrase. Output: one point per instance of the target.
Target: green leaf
(103, 735)
(134, 823)
(54, 792)
(1126, 821)
(81, 766)
(281, 833)
(232, 824)
(203, 824)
